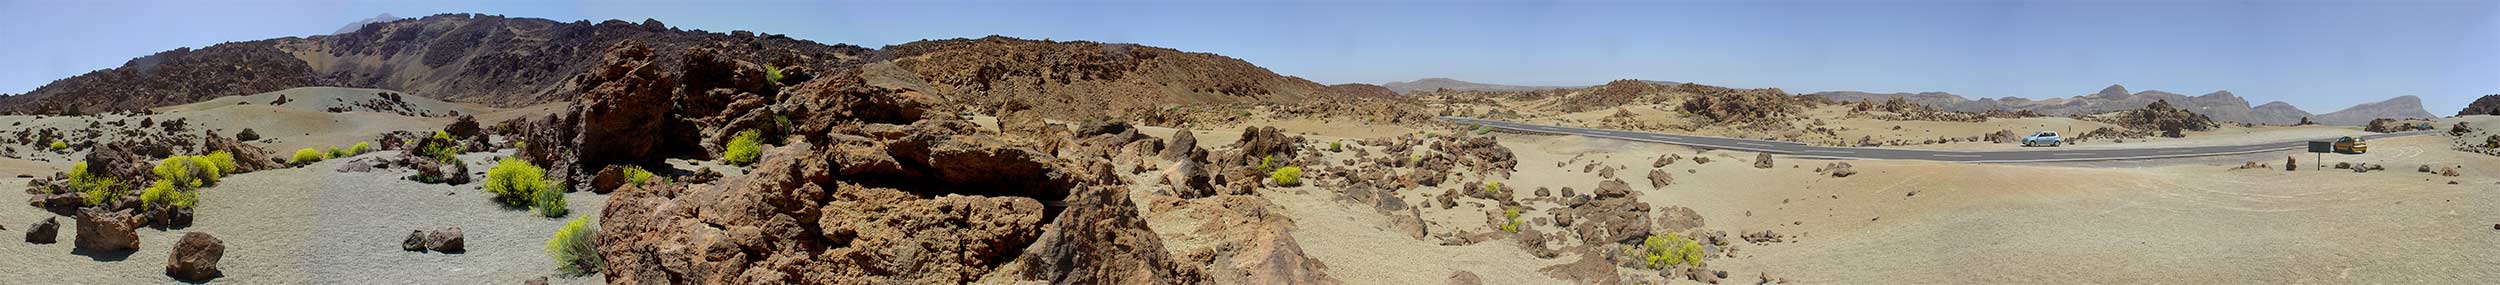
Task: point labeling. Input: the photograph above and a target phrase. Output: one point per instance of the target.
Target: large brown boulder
(100, 230)
(247, 158)
(1112, 246)
(195, 257)
(1184, 142)
(1259, 143)
(1239, 239)
(464, 127)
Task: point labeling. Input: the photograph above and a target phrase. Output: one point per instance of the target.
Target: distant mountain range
(2221, 105)
(1436, 83)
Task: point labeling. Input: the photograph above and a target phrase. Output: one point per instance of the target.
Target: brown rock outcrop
(447, 240)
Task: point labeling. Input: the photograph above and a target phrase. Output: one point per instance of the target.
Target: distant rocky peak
(2113, 91)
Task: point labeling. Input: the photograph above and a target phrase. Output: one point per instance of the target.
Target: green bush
(634, 175)
(224, 161)
(360, 148)
(98, 189)
(1493, 187)
(1264, 160)
(514, 181)
(772, 74)
(744, 149)
(158, 193)
(442, 152)
(1670, 250)
(550, 202)
(443, 135)
(1336, 146)
(1287, 176)
(59, 145)
(187, 172)
(1512, 215)
(335, 152)
(575, 248)
(305, 156)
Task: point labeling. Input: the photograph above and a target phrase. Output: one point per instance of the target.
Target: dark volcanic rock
(446, 240)
(627, 104)
(195, 257)
(46, 232)
(247, 158)
(414, 242)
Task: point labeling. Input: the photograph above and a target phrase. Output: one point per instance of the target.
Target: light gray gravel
(314, 225)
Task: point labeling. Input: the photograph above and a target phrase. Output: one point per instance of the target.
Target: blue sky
(2320, 55)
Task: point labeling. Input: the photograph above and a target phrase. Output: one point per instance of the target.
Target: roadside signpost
(2321, 148)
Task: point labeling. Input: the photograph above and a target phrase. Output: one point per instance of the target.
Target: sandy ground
(2159, 221)
(283, 129)
(315, 225)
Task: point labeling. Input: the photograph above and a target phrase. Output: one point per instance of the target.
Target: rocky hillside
(1072, 80)
(2220, 105)
(485, 59)
(1436, 83)
(2487, 105)
(2401, 107)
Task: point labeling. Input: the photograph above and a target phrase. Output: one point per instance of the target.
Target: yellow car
(2352, 145)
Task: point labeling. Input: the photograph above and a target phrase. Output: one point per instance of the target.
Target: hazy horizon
(2320, 55)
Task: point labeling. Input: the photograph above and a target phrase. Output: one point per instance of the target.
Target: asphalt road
(2041, 154)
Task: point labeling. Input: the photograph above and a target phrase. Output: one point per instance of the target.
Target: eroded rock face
(1241, 240)
(627, 102)
(1259, 143)
(195, 257)
(100, 230)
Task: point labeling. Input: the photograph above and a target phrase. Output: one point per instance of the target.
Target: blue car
(2043, 138)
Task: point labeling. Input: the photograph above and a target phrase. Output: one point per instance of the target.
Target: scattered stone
(541, 280)
(46, 232)
(1701, 159)
(1762, 160)
(1838, 169)
(102, 231)
(195, 257)
(2449, 172)
(1660, 178)
(2291, 164)
(1613, 188)
(1541, 192)
(415, 241)
(1463, 277)
(2426, 168)
(446, 240)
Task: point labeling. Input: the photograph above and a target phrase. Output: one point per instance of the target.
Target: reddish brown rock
(446, 240)
(195, 257)
(103, 231)
(247, 158)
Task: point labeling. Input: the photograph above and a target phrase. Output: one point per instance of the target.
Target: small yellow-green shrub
(360, 148)
(1264, 161)
(772, 74)
(575, 248)
(158, 193)
(1669, 250)
(744, 149)
(59, 145)
(1336, 146)
(188, 172)
(635, 175)
(98, 189)
(305, 156)
(1492, 187)
(1288, 176)
(224, 161)
(1511, 215)
(549, 202)
(514, 181)
(335, 152)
